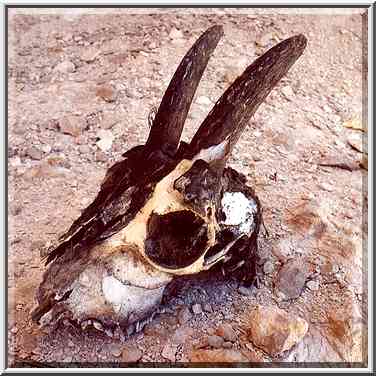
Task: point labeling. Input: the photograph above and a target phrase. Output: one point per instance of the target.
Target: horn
(168, 124)
(223, 126)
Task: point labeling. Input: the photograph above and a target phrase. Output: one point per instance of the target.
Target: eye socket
(176, 239)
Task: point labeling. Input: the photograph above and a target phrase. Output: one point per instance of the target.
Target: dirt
(73, 74)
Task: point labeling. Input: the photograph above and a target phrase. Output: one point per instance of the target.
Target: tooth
(220, 255)
(137, 326)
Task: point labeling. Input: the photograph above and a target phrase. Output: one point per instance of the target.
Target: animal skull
(168, 208)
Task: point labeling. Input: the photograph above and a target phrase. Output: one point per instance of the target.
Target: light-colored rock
(274, 330)
(72, 125)
(313, 285)
(268, 267)
(105, 139)
(196, 309)
(34, 153)
(204, 100)
(65, 67)
(176, 34)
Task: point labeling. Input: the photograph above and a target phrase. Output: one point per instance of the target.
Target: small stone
(71, 125)
(14, 330)
(176, 34)
(274, 330)
(34, 153)
(292, 277)
(116, 350)
(107, 93)
(204, 100)
(46, 148)
(169, 352)
(65, 67)
(84, 149)
(288, 93)
(268, 267)
(184, 315)
(100, 156)
(313, 285)
(90, 54)
(245, 291)
(105, 139)
(196, 309)
(227, 332)
(207, 308)
(215, 341)
(131, 354)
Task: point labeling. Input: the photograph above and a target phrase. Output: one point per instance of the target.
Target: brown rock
(217, 356)
(227, 332)
(292, 277)
(107, 93)
(71, 125)
(34, 153)
(274, 330)
(131, 354)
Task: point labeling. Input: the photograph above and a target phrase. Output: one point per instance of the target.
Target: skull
(168, 208)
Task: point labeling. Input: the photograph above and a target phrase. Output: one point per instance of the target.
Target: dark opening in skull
(175, 239)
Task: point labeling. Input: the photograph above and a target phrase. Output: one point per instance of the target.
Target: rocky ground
(81, 86)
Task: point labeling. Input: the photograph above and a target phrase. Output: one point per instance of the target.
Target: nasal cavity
(176, 239)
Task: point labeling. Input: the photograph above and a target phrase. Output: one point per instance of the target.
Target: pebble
(176, 34)
(34, 153)
(204, 100)
(84, 149)
(105, 139)
(46, 148)
(227, 345)
(65, 67)
(196, 309)
(100, 156)
(107, 93)
(71, 125)
(227, 332)
(215, 341)
(268, 267)
(313, 285)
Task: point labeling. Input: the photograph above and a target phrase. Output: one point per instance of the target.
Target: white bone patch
(113, 290)
(239, 211)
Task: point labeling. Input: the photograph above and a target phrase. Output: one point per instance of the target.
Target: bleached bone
(168, 208)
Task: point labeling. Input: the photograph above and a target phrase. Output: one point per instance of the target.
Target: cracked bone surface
(168, 208)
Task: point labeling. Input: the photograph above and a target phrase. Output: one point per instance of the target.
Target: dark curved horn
(169, 121)
(234, 109)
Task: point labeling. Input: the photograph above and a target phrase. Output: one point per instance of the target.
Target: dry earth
(80, 88)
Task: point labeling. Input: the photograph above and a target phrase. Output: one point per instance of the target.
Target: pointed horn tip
(300, 41)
